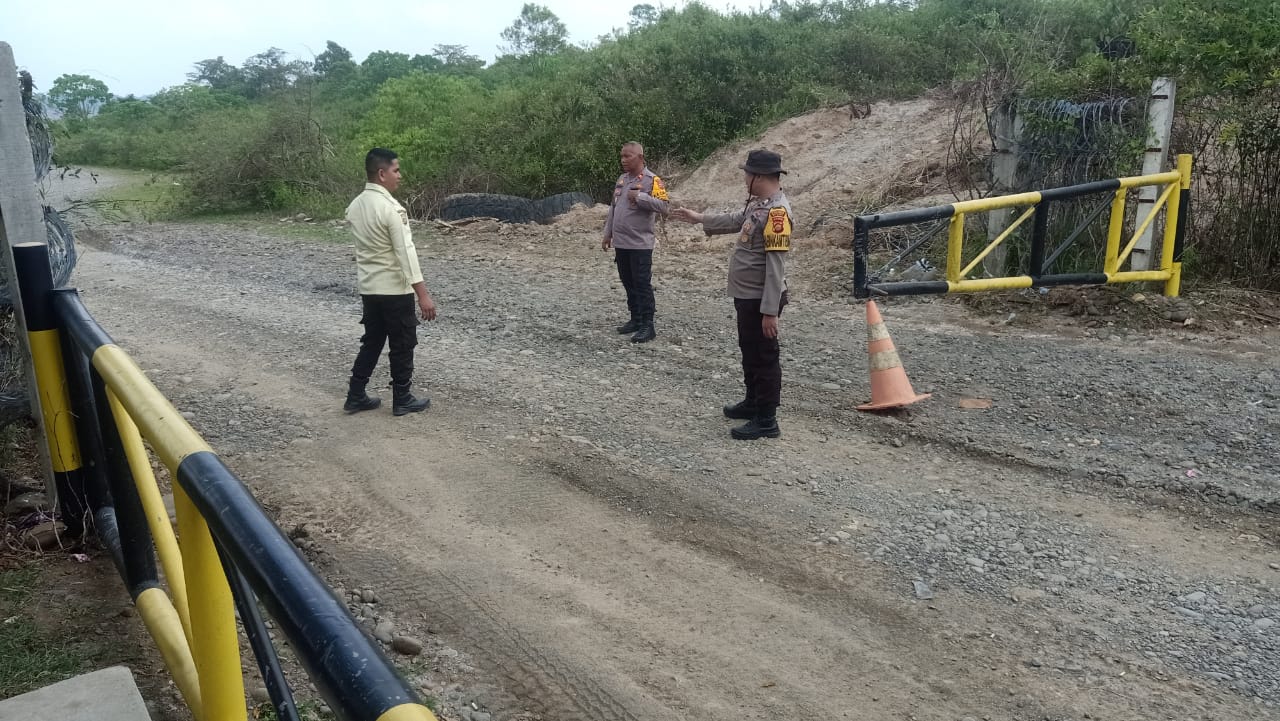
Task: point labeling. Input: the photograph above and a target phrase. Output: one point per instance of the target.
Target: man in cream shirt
(390, 284)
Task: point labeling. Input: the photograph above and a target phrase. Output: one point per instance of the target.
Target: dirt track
(573, 520)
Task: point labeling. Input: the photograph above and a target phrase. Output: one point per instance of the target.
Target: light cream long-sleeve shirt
(386, 259)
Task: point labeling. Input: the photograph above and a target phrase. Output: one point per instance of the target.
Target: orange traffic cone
(889, 385)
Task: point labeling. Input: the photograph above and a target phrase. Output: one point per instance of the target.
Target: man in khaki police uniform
(638, 198)
(389, 281)
(758, 286)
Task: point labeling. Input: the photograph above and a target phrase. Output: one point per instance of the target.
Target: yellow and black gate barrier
(227, 554)
(1174, 199)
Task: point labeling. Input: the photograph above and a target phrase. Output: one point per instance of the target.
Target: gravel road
(574, 536)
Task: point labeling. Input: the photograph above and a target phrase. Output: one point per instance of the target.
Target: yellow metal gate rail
(227, 554)
(1174, 200)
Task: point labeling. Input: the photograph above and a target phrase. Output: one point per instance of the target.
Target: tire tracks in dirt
(610, 579)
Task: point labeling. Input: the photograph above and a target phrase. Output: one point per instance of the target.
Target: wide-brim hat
(763, 162)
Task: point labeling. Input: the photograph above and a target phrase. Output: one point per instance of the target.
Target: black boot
(764, 425)
(630, 326)
(742, 410)
(403, 401)
(358, 400)
(645, 332)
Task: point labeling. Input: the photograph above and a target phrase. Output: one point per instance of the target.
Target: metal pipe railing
(230, 554)
(1173, 201)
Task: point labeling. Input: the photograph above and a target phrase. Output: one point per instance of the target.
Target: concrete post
(1154, 158)
(1006, 132)
(21, 222)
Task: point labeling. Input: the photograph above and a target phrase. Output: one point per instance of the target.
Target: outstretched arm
(712, 223)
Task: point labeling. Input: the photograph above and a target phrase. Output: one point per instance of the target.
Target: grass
(307, 711)
(139, 195)
(29, 658)
(269, 224)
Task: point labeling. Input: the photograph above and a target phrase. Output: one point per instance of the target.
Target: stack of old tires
(510, 208)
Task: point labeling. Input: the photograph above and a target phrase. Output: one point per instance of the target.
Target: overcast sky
(141, 46)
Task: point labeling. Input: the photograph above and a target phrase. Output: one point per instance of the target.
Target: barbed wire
(1060, 143)
(61, 239)
(62, 253)
(37, 127)
(1064, 142)
(14, 404)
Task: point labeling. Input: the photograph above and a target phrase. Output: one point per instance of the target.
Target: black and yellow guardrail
(1174, 200)
(55, 401)
(227, 554)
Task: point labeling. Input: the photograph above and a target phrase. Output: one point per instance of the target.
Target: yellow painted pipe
(173, 438)
(955, 247)
(1151, 216)
(1115, 228)
(1007, 283)
(978, 205)
(999, 239)
(55, 400)
(1154, 179)
(1174, 285)
(1170, 226)
(164, 626)
(217, 647)
(1138, 276)
(407, 712)
(153, 506)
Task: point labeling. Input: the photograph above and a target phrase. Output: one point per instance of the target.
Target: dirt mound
(837, 163)
(839, 166)
(582, 216)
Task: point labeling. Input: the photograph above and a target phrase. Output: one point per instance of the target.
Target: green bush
(685, 82)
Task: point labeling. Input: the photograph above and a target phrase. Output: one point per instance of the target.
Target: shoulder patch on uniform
(659, 189)
(777, 230)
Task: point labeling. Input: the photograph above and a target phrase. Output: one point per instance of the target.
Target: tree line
(547, 116)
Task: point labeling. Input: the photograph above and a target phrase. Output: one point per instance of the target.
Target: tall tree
(78, 96)
(382, 65)
(456, 59)
(642, 15)
(271, 71)
(536, 32)
(426, 63)
(335, 60)
(218, 74)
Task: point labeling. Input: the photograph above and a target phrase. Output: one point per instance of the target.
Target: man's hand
(606, 243)
(633, 194)
(685, 215)
(769, 326)
(426, 306)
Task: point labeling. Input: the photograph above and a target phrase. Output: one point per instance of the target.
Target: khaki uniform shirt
(386, 259)
(758, 263)
(630, 225)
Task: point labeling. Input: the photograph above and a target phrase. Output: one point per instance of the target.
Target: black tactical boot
(645, 332)
(403, 401)
(742, 410)
(764, 425)
(358, 400)
(630, 326)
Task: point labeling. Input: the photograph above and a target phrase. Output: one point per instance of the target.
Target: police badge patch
(777, 230)
(659, 190)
